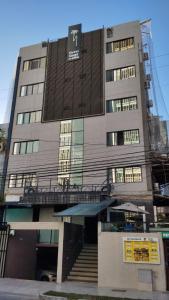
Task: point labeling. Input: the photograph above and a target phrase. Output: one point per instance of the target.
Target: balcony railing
(56, 194)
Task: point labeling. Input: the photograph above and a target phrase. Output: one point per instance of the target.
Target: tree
(2, 135)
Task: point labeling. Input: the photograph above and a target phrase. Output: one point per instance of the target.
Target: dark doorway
(47, 258)
(166, 254)
(90, 234)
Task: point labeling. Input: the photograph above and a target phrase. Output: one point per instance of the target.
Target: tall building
(80, 115)
(79, 133)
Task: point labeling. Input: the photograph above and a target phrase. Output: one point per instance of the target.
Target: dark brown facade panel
(74, 88)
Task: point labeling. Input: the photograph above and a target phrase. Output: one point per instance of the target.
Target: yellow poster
(141, 250)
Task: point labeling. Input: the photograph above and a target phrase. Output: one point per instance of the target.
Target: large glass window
(29, 117)
(120, 45)
(34, 64)
(26, 147)
(77, 138)
(20, 180)
(126, 137)
(126, 174)
(31, 89)
(120, 74)
(123, 104)
(66, 127)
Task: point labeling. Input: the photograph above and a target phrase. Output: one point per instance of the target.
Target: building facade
(81, 121)
(79, 134)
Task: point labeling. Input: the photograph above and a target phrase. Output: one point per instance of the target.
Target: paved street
(30, 289)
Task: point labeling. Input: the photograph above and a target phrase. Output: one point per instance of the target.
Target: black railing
(57, 194)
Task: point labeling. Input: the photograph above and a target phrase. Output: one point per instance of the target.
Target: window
(26, 147)
(123, 104)
(19, 119)
(34, 64)
(20, 180)
(120, 74)
(16, 148)
(126, 137)
(64, 165)
(65, 127)
(131, 137)
(121, 45)
(29, 117)
(126, 174)
(31, 89)
(65, 140)
(64, 153)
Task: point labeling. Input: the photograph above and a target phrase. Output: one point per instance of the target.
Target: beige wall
(114, 273)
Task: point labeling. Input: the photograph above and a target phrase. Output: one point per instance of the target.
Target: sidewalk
(34, 288)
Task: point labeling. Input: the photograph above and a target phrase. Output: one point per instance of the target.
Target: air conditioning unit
(2, 147)
(147, 84)
(148, 77)
(145, 56)
(150, 103)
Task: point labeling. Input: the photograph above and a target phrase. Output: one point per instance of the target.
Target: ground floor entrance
(90, 230)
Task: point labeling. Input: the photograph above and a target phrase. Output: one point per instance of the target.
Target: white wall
(114, 273)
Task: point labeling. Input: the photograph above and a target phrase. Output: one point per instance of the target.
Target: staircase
(85, 268)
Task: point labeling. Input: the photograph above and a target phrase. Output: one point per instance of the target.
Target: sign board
(165, 235)
(141, 250)
(74, 42)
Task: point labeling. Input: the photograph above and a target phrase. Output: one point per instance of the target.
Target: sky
(27, 22)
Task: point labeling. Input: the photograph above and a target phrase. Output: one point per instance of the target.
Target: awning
(129, 207)
(88, 210)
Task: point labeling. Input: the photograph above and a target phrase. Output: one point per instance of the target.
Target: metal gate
(166, 253)
(4, 235)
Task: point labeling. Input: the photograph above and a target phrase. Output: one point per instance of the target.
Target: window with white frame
(126, 137)
(126, 174)
(120, 45)
(21, 180)
(121, 73)
(34, 64)
(26, 147)
(31, 89)
(122, 104)
(29, 117)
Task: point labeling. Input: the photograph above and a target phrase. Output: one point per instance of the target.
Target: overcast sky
(26, 22)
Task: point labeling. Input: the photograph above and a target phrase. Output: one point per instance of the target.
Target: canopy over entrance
(86, 210)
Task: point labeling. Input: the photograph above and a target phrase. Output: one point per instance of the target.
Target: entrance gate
(4, 235)
(166, 253)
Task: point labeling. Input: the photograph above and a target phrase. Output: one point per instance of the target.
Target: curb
(46, 297)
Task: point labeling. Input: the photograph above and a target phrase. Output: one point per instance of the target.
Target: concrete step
(82, 278)
(88, 253)
(83, 269)
(87, 257)
(90, 247)
(83, 274)
(85, 265)
(86, 261)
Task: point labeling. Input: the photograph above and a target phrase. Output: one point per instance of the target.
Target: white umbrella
(129, 207)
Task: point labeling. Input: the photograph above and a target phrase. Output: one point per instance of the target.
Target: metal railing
(124, 227)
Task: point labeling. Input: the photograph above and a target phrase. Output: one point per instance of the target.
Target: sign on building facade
(141, 250)
(74, 42)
